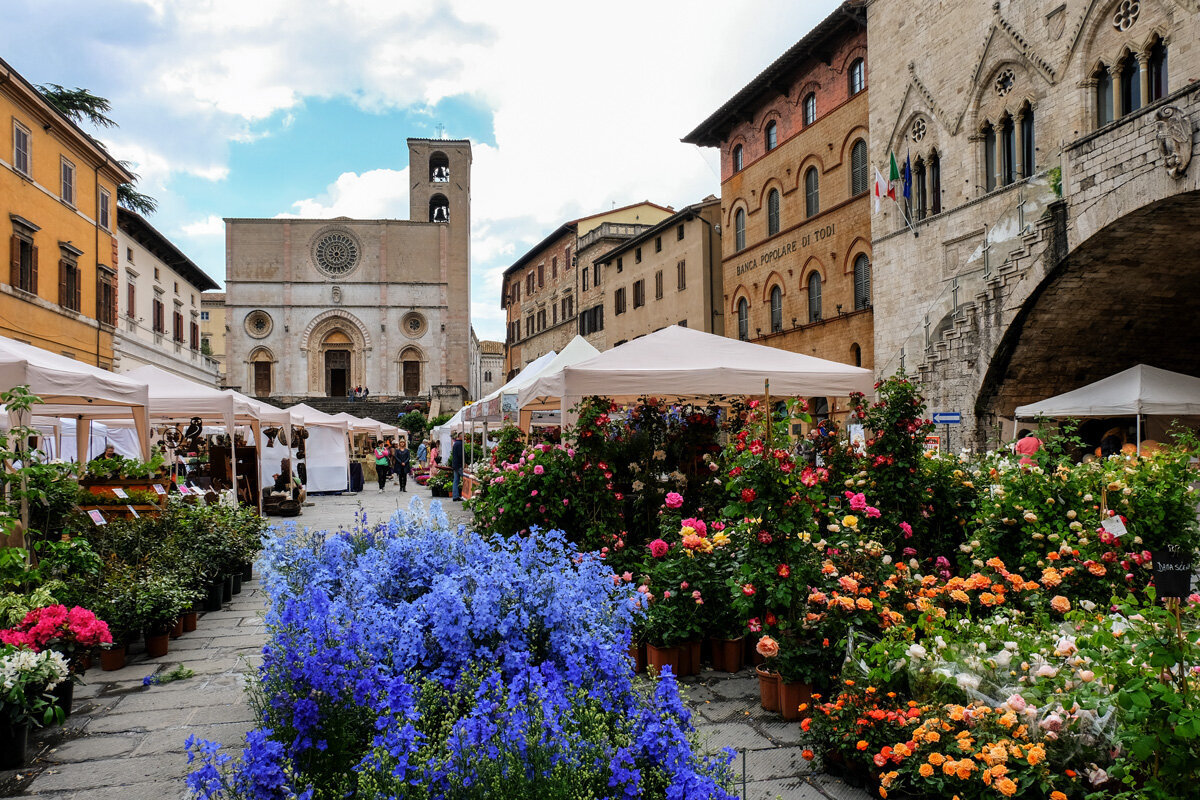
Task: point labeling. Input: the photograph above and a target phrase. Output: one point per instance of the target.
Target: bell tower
(440, 194)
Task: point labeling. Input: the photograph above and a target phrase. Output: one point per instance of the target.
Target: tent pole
(770, 416)
(1139, 435)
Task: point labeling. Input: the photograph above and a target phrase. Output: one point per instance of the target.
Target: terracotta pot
(791, 697)
(157, 644)
(637, 654)
(659, 657)
(112, 658)
(189, 621)
(727, 654)
(768, 688)
(689, 658)
(14, 742)
(177, 630)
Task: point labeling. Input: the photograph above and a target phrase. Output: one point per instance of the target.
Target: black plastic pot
(213, 601)
(237, 582)
(227, 589)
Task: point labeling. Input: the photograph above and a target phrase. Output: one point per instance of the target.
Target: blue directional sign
(946, 418)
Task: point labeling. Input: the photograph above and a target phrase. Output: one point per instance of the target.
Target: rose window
(1127, 14)
(336, 253)
(258, 324)
(1005, 81)
(919, 129)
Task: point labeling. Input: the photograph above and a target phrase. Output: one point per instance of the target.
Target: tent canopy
(358, 425)
(490, 406)
(686, 363)
(70, 388)
(576, 352)
(1140, 390)
(308, 416)
(173, 397)
(384, 428)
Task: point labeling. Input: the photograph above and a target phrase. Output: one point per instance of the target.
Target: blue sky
(261, 108)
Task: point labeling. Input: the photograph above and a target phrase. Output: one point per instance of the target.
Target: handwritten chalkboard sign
(1172, 571)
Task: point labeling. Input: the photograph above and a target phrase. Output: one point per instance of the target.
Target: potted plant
(27, 679)
(160, 601)
(768, 678)
(71, 632)
(440, 483)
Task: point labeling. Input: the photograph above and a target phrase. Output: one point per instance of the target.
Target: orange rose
(809, 756)
(862, 745)
(925, 770)
(936, 759)
(1006, 787)
(1057, 795)
(1060, 604)
(767, 647)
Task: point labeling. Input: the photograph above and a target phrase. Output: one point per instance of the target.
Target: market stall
(326, 449)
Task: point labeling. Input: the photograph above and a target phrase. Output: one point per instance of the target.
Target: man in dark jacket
(401, 462)
(456, 466)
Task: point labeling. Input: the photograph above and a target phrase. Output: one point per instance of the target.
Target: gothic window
(1131, 85)
(858, 77)
(739, 230)
(1028, 146)
(814, 297)
(856, 354)
(439, 168)
(1157, 66)
(1104, 96)
(920, 195)
(810, 108)
(1008, 151)
(737, 158)
(743, 314)
(336, 252)
(439, 208)
(989, 157)
(812, 192)
(773, 212)
(862, 282)
(776, 309)
(859, 182)
(935, 183)
(772, 139)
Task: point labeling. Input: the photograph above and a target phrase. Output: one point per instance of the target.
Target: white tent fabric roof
(173, 397)
(683, 362)
(70, 388)
(384, 428)
(361, 425)
(533, 369)
(576, 352)
(307, 415)
(1137, 390)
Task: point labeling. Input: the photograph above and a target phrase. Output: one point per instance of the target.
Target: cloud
(211, 225)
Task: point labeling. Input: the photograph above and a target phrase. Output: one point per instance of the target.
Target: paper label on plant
(158, 489)
(133, 511)
(97, 517)
(119, 492)
(1114, 526)
(183, 489)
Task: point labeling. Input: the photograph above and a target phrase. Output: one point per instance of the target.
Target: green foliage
(417, 426)
(79, 105)
(510, 443)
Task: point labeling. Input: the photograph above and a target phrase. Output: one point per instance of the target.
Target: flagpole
(904, 217)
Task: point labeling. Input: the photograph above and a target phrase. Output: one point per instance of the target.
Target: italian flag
(886, 187)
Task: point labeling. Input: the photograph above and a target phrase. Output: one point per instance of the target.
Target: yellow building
(212, 331)
(58, 192)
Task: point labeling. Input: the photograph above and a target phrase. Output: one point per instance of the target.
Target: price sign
(158, 489)
(119, 492)
(133, 511)
(97, 517)
(1172, 571)
(1114, 526)
(183, 489)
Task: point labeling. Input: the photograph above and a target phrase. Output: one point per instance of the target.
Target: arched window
(989, 157)
(773, 212)
(810, 108)
(814, 297)
(1131, 85)
(856, 354)
(1104, 96)
(862, 282)
(772, 139)
(935, 182)
(812, 192)
(739, 230)
(439, 168)
(776, 309)
(1157, 67)
(1008, 151)
(920, 197)
(737, 158)
(858, 77)
(1028, 143)
(859, 181)
(439, 208)
(743, 320)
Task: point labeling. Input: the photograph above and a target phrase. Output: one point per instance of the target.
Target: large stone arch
(334, 330)
(1127, 295)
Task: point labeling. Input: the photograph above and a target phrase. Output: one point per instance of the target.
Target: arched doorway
(262, 368)
(338, 348)
(410, 371)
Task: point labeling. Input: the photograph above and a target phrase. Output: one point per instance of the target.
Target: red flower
(783, 570)
(748, 589)
(748, 495)
(770, 618)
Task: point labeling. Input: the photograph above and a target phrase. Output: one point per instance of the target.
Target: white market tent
(576, 352)
(1138, 391)
(360, 425)
(70, 388)
(327, 450)
(680, 362)
(384, 428)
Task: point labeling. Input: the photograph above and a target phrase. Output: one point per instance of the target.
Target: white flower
(1002, 659)
(915, 652)
(1087, 605)
(968, 682)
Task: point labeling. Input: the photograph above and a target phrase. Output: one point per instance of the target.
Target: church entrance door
(412, 378)
(337, 373)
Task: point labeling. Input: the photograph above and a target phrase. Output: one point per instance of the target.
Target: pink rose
(539, 469)
(674, 500)
(904, 526)
(767, 647)
(659, 548)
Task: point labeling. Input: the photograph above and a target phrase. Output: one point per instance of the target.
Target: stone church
(1053, 237)
(317, 307)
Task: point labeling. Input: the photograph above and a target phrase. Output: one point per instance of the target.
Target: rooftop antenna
(440, 130)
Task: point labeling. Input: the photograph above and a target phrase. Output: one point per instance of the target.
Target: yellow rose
(850, 521)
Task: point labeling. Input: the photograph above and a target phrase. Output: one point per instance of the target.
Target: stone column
(1143, 62)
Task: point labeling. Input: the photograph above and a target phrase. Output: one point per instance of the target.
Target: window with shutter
(681, 269)
(658, 285)
(862, 282)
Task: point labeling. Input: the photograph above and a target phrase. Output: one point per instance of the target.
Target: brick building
(1056, 228)
(795, 204)
(541, 292)
(669, 274)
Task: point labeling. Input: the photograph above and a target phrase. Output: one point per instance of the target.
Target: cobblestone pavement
(768, 764)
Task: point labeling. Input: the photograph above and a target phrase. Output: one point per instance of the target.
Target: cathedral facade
(318, 307)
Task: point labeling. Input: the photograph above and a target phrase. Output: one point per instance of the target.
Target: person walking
(382, 459)
(421, 453)
(401, 463)
(456, 466)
